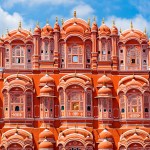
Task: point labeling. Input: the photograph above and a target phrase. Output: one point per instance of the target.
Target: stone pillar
(94, 52)
(115, 52)
(36, 41)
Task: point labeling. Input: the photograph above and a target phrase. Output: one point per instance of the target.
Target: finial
(131, 25)
(103, 21)
(94, 19)
(145, 30)
(37, 24)
(20, 25)
(113, 22)
(62, 21)
(75, 14)
(56, 19)
(30, 30)
(120, 30)
(7, 30)
(89, 21)
(47, 21)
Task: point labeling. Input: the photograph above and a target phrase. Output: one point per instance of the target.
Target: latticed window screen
(18, 55)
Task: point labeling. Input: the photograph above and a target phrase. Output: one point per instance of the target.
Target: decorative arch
(75, 95)
(135, 138)
(79, 137)
(17, 138)
(18, 91)
(134, 93)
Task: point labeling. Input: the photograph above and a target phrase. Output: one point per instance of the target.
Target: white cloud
(139, 22)
(83, 11)
(11, 21)
(11, 3)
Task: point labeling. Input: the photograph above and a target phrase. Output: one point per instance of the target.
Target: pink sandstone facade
(75, 87)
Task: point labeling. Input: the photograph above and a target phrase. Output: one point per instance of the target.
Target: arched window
(17, 108)
(18, 55)
(75, 101)
(134, 105)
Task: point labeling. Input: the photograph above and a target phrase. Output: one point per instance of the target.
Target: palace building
(75, 86)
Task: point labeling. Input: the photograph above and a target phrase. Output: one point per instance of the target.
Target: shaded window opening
(146, 110)
(62, 107)
(88, 108)
(17, 108)
(122, 110)
(133, 61)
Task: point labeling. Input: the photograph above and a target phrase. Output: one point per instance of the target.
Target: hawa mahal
(75, 87)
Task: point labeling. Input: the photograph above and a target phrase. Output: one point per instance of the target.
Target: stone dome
(105, 134)
(46, 89)
(104, 80)
(105, 91)
(46, 134)
(105, 145)
(45, 144)
(46, 79)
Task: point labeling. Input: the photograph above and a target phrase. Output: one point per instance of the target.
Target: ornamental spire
(20, 25)
(131, 25)
(113, 22)
(62, 21)
(89, 21)
(56, 19)
(103, 21)
(145, 30)
(75, 14)
(120, 30)
(47, 21)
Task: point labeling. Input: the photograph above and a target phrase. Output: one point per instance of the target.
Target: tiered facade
(75, 87)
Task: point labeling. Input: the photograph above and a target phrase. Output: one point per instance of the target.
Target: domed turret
(104, 30)
(45, 145)
(114, 30)
(46, 134)
(104, 91)
(94, 26)
(46, 90)
(37, 29)
(46, 79)
(105, 134)
(56, 26)
(105, 145)
(104, 79)
(47, 29)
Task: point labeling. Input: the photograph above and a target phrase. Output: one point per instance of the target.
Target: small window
(103, 52)
(104, 110)
(18, 60)
(99, 52)
(88, 108)
(29, 60)
(45, 109)
(108, 52)
(7, 60)
(100, 110)
(62, 60)
(29, 109)
(6, 108)
(121, 61)
(7, 50)
(51, 109)
(88, 60)
(146, 109)
(75, 59)
(109, 110)
(144, 50)
(46, 52)
(62, 107)
(144, 61)
(29, 50)
(121, 51)
(17, 108)
(41, 51)
(122, 110)
(133, 61)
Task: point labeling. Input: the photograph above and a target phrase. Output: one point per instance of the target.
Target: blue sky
(31, 11)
